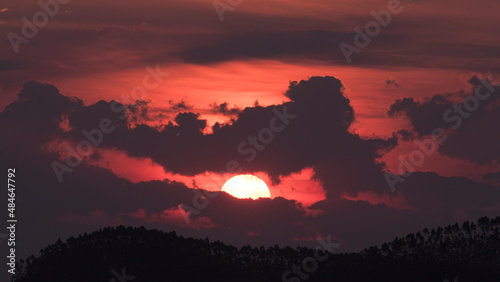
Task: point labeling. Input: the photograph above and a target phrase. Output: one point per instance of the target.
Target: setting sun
(246, 186)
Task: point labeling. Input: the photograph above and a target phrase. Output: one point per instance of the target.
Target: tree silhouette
(471, 252)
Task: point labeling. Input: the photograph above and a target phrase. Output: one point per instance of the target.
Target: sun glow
(246, 186)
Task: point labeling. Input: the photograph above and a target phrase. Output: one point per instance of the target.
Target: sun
(246, 186)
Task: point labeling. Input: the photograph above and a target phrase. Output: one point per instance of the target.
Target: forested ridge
(467, 251)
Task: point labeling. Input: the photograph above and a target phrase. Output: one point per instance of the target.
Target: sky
(394, 133)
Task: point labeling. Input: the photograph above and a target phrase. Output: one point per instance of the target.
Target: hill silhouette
(466, 252)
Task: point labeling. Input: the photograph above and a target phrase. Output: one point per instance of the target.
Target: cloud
(225, 110)
(358, 202)
(322, 45)
(37, 112)
(424, 116)
(182, 105)
(9, 65)
(468, 121)
(317, 136)
(317, 44)
(492, 176)
(406, 135)
(392, 82)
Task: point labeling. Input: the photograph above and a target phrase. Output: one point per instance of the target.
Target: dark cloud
(225, 110)
(99, 195)
(406, 135)
(179, 106)
(433, 201)
(118, 37)
(425, 116)
(315, 44)
(491, 176)
(392, 82)
(37, 113)
(428, 192)
(312, 131)
(9, 65)
(323, 45)
(469, 122)
(139, 112)
(90, 197)
(188, 125)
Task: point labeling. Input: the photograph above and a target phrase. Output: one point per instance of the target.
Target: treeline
(470, 251)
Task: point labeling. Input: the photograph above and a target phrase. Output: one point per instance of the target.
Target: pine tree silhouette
(468, 251)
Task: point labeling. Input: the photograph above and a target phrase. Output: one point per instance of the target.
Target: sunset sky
(211, 83)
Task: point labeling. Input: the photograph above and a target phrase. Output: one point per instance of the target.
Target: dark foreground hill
(470, 252)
